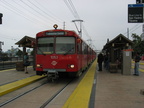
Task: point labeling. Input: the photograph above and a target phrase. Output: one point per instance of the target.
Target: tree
(4, 56)
(138, 44)
(19, 53)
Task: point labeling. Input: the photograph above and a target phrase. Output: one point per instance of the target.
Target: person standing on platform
(106, 61)
(26, 62)
(100, 60)
(136, 68)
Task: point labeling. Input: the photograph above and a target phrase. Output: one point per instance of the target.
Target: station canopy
(119, 41)
(26, 41)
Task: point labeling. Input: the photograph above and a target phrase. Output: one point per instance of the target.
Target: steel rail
(16, 97)
(55, 95)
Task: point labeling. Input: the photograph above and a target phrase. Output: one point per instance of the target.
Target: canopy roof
(26, 41)
(119, 41)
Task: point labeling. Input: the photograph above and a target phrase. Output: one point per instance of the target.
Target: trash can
(19, 66)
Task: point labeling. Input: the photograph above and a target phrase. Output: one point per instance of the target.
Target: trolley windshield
(65, 45)
(58, 45)
(45, 45)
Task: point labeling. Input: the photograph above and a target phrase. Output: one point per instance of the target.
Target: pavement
(114, 90)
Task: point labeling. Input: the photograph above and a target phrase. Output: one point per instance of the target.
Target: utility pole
(79, 31)
(1, 43)
(128, 33)
(64, 25)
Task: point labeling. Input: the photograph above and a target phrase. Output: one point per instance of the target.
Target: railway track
(40, 93)
(56, 94)
(18, 96)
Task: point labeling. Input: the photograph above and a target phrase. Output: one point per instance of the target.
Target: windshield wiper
(41, 51)
(69, 51)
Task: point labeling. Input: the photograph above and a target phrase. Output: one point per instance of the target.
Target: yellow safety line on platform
(81, 95)
(6, 70)
(11, 69)
(139, 63)
(139, 69)
(18, 84)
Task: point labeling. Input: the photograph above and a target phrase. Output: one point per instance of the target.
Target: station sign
(139, 1)
(135, 13)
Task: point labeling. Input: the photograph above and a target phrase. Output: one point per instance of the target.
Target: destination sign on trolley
(55, 33)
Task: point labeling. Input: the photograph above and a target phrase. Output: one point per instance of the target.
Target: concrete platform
(13, 80)
(114, 90)
(11, 75)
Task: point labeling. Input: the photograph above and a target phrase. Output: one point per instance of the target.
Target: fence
(10, 62)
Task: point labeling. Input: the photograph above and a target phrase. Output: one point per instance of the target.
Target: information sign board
(139, 1)
(135, 13)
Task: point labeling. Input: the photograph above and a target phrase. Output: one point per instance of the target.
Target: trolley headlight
(71, 66)
(39, 65)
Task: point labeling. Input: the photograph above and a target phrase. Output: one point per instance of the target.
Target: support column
(126, 67)
(24, 51)
(112, 55)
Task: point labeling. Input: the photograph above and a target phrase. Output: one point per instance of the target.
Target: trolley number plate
(52, 70)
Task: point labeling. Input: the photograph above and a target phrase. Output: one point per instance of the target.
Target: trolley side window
(65, 45)
(45, 45)
(84, 48)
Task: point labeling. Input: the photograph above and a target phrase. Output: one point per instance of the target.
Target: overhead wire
(74, 12)
(74, 9)
(7, 37)
(14, 9)
(62, 19)
(49, 13)
(135, 27)
(11, 9)
(70, 8)
(18, 11)
(41, 16)
(28, 14)
(45, 13)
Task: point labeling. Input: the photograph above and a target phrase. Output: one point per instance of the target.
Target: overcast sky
(103, 19)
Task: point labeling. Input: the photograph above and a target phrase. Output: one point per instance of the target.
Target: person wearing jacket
(100, 60)
(136, 68)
